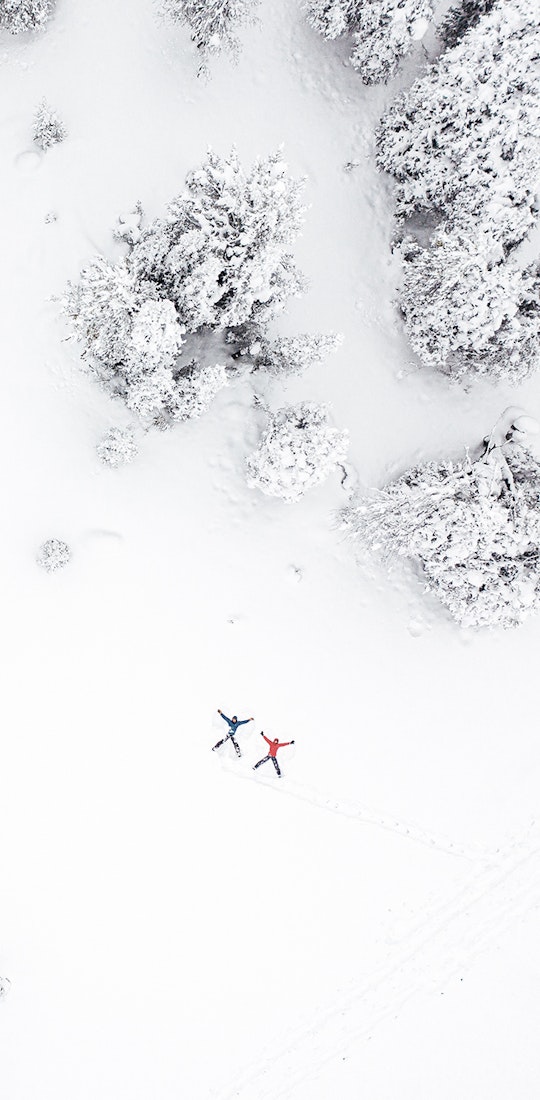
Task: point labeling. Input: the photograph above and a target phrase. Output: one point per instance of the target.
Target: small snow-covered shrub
(4, 986)
(48, 126)
(24, 15)
(53, 554)
(297, 451)
(117, 447)
(293, 354)
(128, 228)
(382, 30)
(473, 526)
(213, 23)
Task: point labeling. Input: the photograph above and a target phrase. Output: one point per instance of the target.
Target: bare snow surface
(172, 925)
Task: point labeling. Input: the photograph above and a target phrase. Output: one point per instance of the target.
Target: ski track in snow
(365, 815)
(493, 899)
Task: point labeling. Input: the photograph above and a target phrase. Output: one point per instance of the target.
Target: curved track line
(454, 933)
(364, 814)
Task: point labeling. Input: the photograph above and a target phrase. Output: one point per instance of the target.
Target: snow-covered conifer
(117, 447)
(53, 554)
(463, 146)
(461, 18)
(293, 354)
(382, 30)
(196, 385)
(131, 338)
(463, 141)
(24, 15)
(468, 310)
(222, 252)
(213, 23)
(48, 126)
(472, 526)
(297, 451)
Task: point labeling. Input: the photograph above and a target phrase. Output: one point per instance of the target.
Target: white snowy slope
(171, 923)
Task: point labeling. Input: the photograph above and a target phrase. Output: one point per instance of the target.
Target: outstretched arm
(283, 744)
(244, 721)
(224, 716)
(268, 742)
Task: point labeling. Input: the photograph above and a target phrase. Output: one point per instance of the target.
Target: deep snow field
(175, 927)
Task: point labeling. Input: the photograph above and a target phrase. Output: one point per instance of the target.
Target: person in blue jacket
(233, 724)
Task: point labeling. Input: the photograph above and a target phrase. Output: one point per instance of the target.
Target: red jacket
(273, 747)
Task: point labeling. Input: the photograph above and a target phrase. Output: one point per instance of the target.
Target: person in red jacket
(273, 747)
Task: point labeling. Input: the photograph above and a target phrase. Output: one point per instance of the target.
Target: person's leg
(276, 765)
(263, 761)
(236, 746)
(220, 743)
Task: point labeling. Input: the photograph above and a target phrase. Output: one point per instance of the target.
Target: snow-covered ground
(173, 925)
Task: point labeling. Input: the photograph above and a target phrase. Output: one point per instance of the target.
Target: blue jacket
(234, 725)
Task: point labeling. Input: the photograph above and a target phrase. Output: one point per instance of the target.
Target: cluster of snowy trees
(218, 262)
(382, 31)
(24, 15)
(213, 23)
(462, 145)
(472, 526)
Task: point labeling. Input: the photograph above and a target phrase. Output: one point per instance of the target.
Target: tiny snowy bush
(4, 986)
(53, 555)
(213, 23)
(382, 30)
(117, 447)
(297, 451)
(24, 15)
(48, 126)
(473, 526)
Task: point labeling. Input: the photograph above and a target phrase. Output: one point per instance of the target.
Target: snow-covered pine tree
(382, 30)
(460, 19)
(48, 126)
(467, 310)
(463, 146)
(472, 526)
(297, 451)
(222, 252)
(24, 15)
(131, 338)
(463, 141)
(213, 23)
(288, 355)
